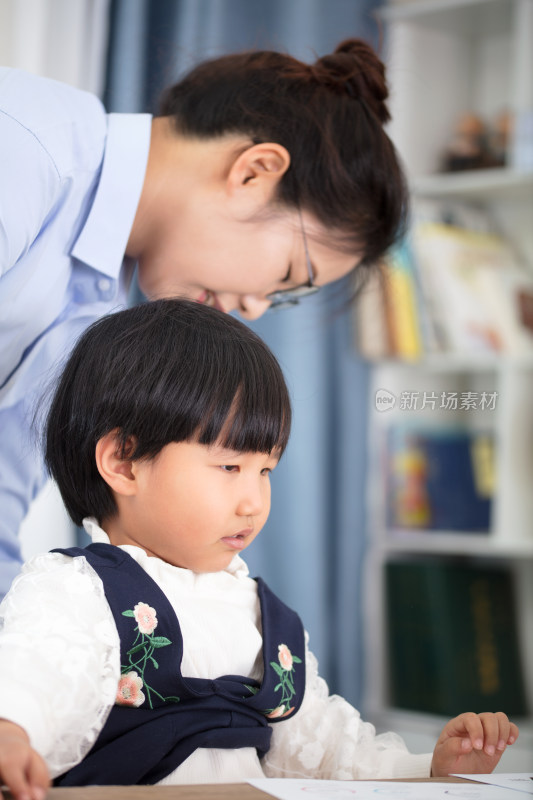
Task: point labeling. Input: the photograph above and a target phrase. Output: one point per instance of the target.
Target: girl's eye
(266, 471)
(229, 467)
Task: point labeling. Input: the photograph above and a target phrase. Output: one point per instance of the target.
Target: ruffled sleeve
(59, 657)
(327, 739)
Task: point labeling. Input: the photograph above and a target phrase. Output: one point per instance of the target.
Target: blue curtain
(311, 550)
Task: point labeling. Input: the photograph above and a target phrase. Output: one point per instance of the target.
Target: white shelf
(457, 363)
(455, 543)
(460, 17)
(495, 183)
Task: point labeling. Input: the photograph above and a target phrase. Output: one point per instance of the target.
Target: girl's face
(195, 506)
(210, 256)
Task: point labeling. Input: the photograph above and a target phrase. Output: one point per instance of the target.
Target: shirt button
(104, 284)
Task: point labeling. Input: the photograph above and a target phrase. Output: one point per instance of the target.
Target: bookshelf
(446, 57)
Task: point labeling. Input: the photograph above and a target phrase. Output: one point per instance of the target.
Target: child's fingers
(491, 731)
(25, 774)
(498, 725)
(488, 731)
(513, 734)
(38, 777)
(503, 730)
(15, 778)
(471, 724)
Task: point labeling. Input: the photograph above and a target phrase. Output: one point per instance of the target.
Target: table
(212, 791)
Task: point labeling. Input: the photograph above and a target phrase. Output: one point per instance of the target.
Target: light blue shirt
(70, 181)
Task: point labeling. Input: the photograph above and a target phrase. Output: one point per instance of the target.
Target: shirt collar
(104, 237)
(236, 567)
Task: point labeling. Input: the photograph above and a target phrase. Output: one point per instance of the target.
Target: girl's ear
(255, 174)
(116, 470)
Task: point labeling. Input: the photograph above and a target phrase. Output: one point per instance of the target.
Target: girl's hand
(22, 770)
(472, 743)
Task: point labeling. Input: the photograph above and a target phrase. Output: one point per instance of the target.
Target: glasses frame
(286, 298)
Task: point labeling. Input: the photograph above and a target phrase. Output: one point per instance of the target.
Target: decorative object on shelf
(500, 139)
(452, 638)
(476, 144)
(468, 147)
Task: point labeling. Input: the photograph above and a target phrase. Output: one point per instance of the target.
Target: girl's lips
(235, 542)
(238, 541)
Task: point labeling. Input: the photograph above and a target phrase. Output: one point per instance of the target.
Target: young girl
(151, 656)
(250, 153)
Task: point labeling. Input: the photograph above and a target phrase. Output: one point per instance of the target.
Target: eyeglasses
(286, 298)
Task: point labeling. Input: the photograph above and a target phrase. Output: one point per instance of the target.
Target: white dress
(60, 666)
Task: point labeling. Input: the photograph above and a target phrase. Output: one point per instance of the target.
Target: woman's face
(207, 253)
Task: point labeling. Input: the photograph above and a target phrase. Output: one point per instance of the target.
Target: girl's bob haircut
(164, 371)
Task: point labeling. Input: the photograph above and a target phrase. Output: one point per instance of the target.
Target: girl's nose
(251, 502)
(252, 307)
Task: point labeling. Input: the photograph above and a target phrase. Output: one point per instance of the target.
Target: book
(472, 283)
(446, 288)
(388, 309)
(403, 302)
(452, 638)
(372, 327)
(439, 479)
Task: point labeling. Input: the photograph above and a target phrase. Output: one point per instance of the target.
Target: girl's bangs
(253, 421)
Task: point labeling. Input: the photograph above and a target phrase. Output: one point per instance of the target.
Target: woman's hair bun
(355, 68)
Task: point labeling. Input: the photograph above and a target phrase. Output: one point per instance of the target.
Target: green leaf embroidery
(159, 641)
(277, 668)
(137, 647)
(286, 683)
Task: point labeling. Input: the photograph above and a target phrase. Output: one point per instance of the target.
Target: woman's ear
(116, 470)
(256, 172)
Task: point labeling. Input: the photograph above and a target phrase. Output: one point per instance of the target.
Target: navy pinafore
(163, 717)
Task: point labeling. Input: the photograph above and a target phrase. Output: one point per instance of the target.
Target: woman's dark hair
(166, 371)
(329, 115)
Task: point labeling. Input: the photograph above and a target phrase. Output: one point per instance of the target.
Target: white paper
(296, 789)
(520, 781)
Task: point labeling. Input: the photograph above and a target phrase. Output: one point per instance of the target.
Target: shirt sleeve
(29, 187)
(22, 474)
(59, 658)
(327, 739)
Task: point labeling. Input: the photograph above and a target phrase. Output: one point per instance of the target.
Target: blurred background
(401, 528)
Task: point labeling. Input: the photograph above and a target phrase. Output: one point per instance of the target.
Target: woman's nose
(252, 307)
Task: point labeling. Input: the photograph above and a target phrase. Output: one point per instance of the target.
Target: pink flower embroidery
(145, 617)
(277, 712)
(285, 657)
(129, 690)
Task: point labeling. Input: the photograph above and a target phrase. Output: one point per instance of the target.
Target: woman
(263, 179)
